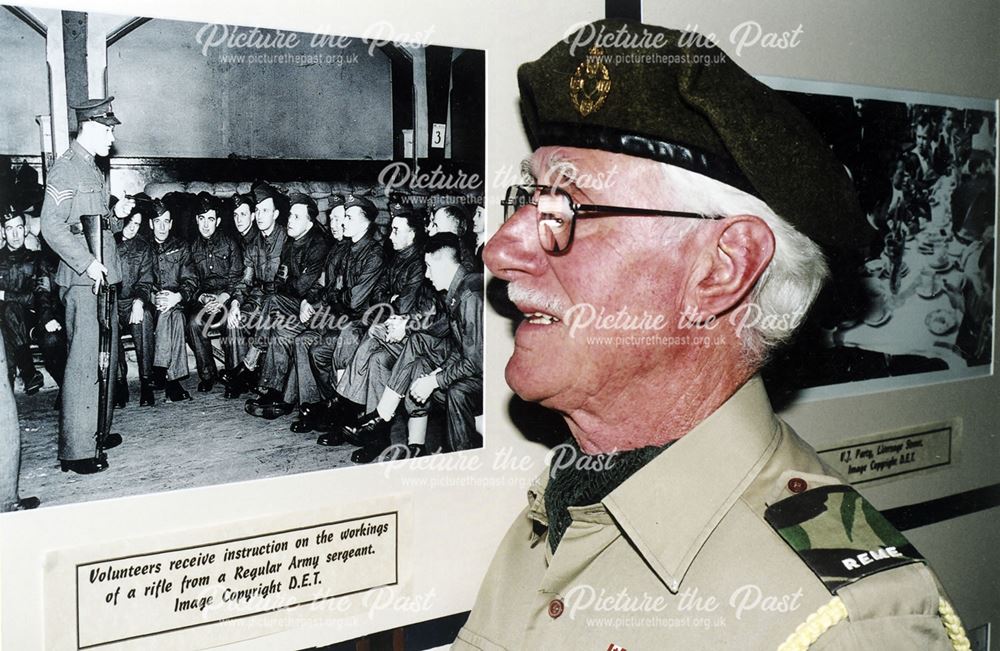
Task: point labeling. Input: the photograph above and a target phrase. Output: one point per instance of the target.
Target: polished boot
(269, 406)
(400, 452)
(369, 429)
(175, 392)
(159, 379)
(206, 385)
(330, 439)
(231, 379)
(312, 416)
(121, 394)
(33, 379)
(146, 397)
(25, 504)
(108, 441)
(367, 454)
(86, 466)
(33, 382)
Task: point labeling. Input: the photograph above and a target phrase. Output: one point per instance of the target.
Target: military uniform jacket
(136, 257)
(20, 274)
(464, 303)
(400, 284)
(680, 557)
(351, 285)
(261, 258)
(76, 187)
(218, 261)
(172, 268)
(301, 265)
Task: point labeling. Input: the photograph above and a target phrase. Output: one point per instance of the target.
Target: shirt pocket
(90, 200)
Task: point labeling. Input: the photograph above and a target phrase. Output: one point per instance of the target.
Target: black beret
(365, 204)
(6, 216)
(263, 192)
(336, 200)
(305, 200)
(239, 199)
(656, 93)
(205, 202)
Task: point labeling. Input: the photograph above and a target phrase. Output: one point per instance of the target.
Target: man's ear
(731, 264)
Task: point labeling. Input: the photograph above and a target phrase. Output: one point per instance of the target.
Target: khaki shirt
(75, 187)
(680, 557)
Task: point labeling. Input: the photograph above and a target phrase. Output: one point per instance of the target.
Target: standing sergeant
(75, 188)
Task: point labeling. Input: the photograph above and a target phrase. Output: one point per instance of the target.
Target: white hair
(791, 281)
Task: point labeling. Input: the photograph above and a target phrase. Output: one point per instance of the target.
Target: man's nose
(514, 250)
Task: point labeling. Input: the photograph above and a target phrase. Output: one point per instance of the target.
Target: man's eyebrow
(527, 170)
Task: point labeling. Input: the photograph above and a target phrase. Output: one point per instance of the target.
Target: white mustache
(547, 304)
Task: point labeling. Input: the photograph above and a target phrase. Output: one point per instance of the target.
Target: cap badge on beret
(590, 84)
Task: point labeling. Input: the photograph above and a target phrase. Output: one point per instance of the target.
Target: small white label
(407, 143)
(437, 135)
(894, 453)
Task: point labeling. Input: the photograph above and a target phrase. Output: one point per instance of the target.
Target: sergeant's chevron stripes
(59, 195)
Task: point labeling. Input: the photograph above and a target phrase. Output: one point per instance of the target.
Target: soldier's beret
(362, 202)
(658, 93)
(159, 207)
(240, 199)
(205, 202)
(96, 110)
(304, 199)
(263, 192)
(336, 200)
(8, 215)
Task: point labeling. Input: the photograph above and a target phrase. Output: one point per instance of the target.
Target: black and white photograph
(232, 252)
(913, 302)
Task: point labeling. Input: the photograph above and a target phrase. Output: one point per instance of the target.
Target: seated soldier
(351, 281)
(174, 286)
(451, 219)
(323, 324)
(479, 232)
(244, 225)
(218, 262)
(450, 369)
(25, 298)
(396, 294)
(135, 307)
(261, 258)
(297, 287)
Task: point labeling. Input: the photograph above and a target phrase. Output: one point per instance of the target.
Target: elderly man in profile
(650, 305)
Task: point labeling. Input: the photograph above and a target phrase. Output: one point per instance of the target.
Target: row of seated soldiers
(30, 309)
(354, 326)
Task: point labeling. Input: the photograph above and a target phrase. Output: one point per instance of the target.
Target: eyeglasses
(557, 213)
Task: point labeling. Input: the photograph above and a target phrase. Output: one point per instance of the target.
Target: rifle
(106, 295)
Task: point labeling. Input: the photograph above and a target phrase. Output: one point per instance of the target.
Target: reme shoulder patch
(839, 535)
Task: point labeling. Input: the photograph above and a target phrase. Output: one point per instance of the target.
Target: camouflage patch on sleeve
(839, 535)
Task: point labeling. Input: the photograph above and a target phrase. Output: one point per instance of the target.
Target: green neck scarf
(587, 481)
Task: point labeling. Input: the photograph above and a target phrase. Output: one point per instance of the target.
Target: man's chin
(528, 379)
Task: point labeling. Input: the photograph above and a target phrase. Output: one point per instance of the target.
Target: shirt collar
(460, 275)
(82, 151)
(669, 507)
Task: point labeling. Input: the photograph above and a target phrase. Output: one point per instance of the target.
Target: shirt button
(797, 484)
(556, 608)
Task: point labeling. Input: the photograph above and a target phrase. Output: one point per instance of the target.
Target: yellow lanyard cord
(835, 611)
